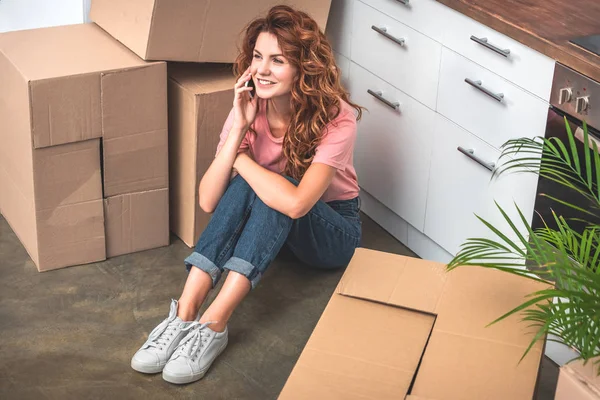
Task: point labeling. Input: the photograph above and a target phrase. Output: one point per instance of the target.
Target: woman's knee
(239, 188)
(294, 181)
(239, 183)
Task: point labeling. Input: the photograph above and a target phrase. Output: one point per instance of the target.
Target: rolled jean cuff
(199, 261)
(245, 268)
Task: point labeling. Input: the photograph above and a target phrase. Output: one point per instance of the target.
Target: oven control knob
(581, 104)
(564, 96)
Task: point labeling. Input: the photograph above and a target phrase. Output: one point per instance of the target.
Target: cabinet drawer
(412, 66)
(393, 146)
(339, 26)
(459, 188)
(523, 66)
(519, 114)
(424, 16)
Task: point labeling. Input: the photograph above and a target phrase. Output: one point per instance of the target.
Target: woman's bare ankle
(187, 311)
(218, 324)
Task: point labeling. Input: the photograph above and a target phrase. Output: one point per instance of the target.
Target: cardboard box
(136, 221)
(189, 30)
(80, 115)
(200, 98)
(577, 381)
(402, 328)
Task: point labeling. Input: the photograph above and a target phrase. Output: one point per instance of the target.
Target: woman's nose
(263, 68)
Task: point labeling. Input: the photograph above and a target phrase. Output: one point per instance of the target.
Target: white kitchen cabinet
(415, 182)
(518, 114)
(400, 55)
(460, 187)
(339, 26)
(527, 68)
(30, 14)
(393, 146)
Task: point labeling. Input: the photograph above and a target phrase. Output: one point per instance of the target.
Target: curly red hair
(317, 91)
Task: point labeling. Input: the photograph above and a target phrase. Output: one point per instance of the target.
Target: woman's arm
(279, 193)
(217, 177)
(214, 182)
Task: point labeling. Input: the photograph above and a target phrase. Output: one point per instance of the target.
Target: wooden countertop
(544, 25)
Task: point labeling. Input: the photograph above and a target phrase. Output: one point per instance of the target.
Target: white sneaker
(195, 354)
(162, 342)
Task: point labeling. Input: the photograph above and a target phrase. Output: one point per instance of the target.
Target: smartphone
(251, 84)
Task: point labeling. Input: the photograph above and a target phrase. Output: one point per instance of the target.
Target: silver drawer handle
(383, 31)
(471, 154)
(378, 96)
(484, 42)
(405, 2)
(478, 85)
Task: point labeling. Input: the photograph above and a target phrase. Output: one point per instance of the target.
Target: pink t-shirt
(336, 149)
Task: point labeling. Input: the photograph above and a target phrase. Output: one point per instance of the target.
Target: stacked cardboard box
(200, 98)
(83, 154)
(84, 160)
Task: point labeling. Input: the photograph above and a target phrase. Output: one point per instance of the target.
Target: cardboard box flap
(136, 163)
(180, 30)
(64, 51)
(128, 21)
(134, 120)
(71, 235)
(134, 100)
(65, 110)
(360, 349)
(67, 174)
(496, 293)
(202, 79)
(136, 221)
(457, 367)
(396, 280)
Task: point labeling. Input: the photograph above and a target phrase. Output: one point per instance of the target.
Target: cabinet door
(31, 14)
(393, 146)
(459, 188)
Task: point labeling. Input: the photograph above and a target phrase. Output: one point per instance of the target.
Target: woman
(282, 175)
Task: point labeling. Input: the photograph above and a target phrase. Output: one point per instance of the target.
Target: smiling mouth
(265, 82)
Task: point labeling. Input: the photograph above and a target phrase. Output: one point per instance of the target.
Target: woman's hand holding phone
(245, 102)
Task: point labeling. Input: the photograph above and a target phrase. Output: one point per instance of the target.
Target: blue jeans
(244, 234)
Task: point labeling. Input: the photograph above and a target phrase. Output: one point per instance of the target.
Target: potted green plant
(568, 259)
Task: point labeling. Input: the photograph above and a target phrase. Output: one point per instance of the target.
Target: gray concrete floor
(70, 333)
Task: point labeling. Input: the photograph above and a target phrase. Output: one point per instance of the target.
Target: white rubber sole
(146, 368)
(183, 379)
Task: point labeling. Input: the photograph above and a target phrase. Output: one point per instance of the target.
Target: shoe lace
(163, 333)
(194, 341)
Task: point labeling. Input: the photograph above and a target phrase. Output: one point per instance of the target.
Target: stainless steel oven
(577, 98)
(573, 97)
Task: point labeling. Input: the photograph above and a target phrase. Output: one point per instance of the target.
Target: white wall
(28, 14)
